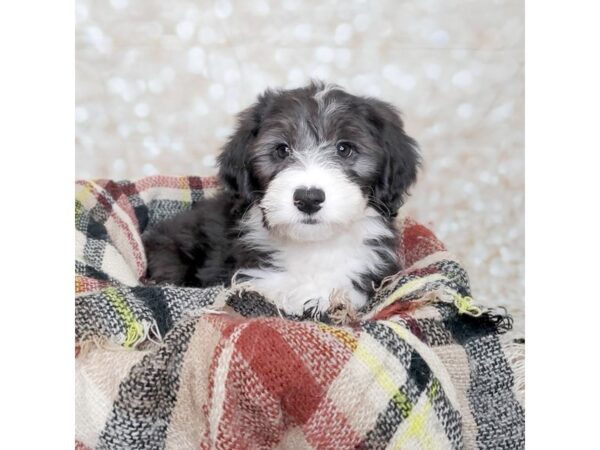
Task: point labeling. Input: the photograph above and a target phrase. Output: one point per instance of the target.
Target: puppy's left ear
(235, 171)
(401, 155)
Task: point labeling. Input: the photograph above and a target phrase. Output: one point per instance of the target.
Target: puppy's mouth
(310, 221)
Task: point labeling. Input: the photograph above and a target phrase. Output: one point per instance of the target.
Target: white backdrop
(158, 83)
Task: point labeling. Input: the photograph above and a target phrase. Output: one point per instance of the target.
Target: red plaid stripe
(136, 247)
(417, 242)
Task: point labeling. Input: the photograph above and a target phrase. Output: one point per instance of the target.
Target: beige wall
(158, 83)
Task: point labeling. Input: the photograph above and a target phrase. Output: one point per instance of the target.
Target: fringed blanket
(184, 368)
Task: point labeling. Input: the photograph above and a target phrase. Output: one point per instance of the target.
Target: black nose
(309, 200)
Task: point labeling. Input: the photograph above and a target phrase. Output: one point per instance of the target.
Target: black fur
(201, 247)
(399, 167)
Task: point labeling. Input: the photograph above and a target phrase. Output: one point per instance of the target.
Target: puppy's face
(317, 159)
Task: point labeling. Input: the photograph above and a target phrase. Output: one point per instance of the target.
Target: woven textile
(178, 368)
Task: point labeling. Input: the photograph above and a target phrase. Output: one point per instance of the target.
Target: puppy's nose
(309, 200)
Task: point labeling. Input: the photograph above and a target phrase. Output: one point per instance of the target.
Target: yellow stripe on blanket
(135, 330)
(416, 428)
(84, 193)
(377, 368)
(438, 369)
(342, 335)
(409, 287)
(383, 379)
(186, 192)
(79, 210)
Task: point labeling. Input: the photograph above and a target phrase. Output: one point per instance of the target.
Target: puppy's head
(317, 159)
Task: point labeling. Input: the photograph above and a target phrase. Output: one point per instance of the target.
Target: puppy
(312, 179)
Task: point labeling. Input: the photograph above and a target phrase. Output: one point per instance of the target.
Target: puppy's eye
(282, 151)
(345, 149)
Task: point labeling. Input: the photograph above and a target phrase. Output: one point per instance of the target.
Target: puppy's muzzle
(309, 200)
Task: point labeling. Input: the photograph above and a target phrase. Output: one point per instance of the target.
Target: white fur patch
(310, 271)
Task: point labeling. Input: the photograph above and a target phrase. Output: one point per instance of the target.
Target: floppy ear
(234, 161)
(401, 155)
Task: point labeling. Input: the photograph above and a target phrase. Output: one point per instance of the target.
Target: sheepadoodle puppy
(312, 179)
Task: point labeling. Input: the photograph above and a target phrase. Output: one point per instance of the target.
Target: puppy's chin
(308, 231)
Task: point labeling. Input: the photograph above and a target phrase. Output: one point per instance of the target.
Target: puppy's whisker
(378, 203)
(245, 213)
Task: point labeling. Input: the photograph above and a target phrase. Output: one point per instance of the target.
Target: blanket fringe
(103, 343)
(389, 282)
(221, 298)
(341, 311)
(514, 350)
(497, 319)
(144, 333)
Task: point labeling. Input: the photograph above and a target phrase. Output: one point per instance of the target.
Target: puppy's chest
(329, 263)
(306, 274)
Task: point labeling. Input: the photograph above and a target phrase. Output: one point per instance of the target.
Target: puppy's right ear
(235, 171)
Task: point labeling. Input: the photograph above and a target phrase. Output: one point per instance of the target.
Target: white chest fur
(307, 274)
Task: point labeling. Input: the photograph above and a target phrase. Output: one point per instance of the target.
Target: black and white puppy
(312, 180)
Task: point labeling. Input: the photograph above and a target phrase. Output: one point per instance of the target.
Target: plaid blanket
(177, 368)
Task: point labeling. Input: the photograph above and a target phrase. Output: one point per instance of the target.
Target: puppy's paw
(314, 308)
(337, 309)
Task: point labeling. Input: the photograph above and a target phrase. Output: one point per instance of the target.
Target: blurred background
(158, 83)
